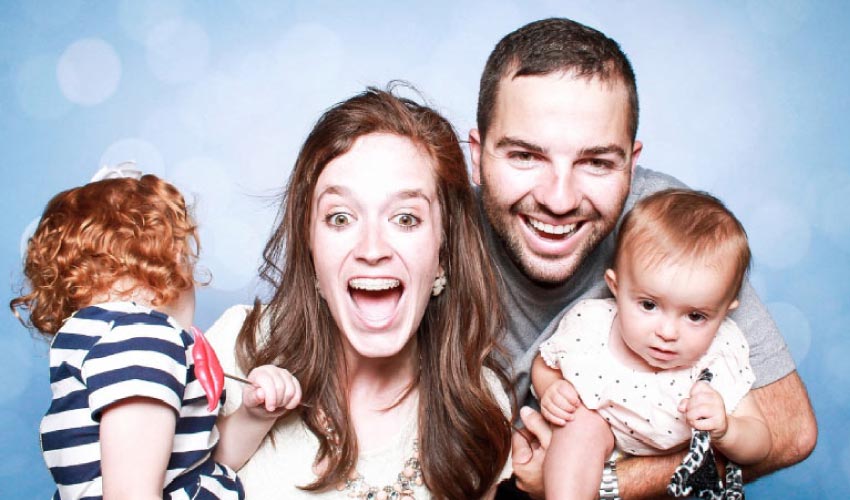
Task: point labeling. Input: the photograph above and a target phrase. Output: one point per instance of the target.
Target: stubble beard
(544, 270)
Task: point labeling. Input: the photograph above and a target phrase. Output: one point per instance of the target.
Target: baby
(680, 259)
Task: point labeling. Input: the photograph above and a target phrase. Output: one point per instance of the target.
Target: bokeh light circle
(89, 71)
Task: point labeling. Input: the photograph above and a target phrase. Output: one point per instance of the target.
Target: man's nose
(557, 189)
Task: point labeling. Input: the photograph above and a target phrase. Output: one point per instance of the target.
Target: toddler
(109, 272)
(680, 259)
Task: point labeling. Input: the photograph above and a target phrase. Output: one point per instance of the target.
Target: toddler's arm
(743, 436)
(136, 436)
(273, 392)
(558, 397)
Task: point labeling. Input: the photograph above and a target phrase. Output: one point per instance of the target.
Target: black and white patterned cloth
(697, 477)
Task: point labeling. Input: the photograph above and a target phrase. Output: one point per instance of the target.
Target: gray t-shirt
(534, 311)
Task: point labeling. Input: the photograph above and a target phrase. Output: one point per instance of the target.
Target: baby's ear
(611, 279)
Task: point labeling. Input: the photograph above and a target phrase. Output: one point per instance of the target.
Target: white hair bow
(125, 169)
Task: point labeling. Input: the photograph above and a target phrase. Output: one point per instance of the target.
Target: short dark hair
(555, 45)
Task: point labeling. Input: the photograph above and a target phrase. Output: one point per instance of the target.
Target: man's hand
(559, 402)
(528, 449)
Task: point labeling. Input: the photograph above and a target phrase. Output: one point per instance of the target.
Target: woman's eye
(647, 305)
(338, 219)
(406, 220)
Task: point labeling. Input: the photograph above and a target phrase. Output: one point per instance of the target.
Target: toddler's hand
(705, 411)
(273, 392)
(559, 402)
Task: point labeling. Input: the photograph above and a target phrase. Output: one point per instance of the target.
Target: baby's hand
(559, 402)
(273, 392)
(705, 410)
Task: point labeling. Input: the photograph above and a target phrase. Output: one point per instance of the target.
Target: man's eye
(338, 219)
(522, 156)
(598, 164)
(406, 220)
(647, 305)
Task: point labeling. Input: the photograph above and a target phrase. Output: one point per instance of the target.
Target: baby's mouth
(375, 298)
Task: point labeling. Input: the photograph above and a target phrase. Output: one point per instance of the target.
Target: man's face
(554, 169)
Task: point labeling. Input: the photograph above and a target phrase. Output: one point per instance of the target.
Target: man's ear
(475, 150)
(611, 279)
(636, 150)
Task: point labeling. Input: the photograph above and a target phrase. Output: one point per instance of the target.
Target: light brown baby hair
(676, 224)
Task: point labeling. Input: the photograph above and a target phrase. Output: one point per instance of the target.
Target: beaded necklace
(357, 487)
(410, 476)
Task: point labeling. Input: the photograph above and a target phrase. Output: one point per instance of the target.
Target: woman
(383, 310)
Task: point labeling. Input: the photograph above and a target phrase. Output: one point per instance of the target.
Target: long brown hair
(464, 438)
(92, 236)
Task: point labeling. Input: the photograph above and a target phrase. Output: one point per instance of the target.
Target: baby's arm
(136, 436)
(273, 392)
(743, 436)
(558, 397)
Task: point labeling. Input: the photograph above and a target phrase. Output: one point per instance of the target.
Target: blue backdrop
(747, 99)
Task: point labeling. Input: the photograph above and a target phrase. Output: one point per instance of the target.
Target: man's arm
(788, 412)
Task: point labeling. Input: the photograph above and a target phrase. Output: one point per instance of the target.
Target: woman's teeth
(373, 284)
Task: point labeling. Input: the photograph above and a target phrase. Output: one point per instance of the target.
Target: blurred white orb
(89, 71)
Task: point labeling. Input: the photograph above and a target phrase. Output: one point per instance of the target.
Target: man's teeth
(373, 283)
(550, 229)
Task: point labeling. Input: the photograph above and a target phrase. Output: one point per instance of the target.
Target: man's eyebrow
(505, 142)
(603, 150)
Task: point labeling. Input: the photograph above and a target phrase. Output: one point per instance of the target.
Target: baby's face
(669, 313)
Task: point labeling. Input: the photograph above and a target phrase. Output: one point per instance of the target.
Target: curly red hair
(91, 237)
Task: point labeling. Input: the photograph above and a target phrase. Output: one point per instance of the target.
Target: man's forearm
(647, 477)
(793, 428)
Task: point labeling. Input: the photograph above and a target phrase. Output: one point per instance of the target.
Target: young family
(413, 307)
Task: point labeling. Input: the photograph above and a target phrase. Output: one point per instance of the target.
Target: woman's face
(375, 237)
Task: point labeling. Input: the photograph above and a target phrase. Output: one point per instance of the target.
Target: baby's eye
(647, 305)
(406, 220)
(696, 317)
(338, 219)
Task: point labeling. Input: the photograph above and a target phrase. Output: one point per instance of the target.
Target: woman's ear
(611, 279)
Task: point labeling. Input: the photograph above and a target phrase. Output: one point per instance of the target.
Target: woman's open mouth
(376, 299)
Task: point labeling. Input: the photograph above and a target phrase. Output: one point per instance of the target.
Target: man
(555, 156)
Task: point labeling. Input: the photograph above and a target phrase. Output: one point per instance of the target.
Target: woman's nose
(372, 246)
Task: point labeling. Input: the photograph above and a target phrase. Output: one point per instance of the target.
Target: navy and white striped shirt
(110, 352)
